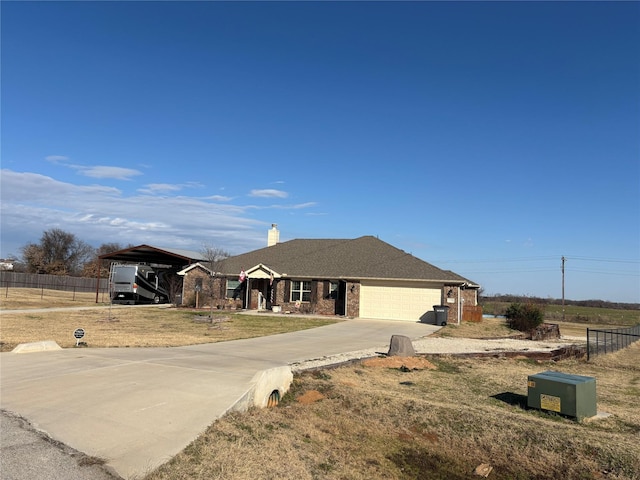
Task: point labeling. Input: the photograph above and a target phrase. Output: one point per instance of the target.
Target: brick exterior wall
(468, 297)
(189, 282)
(353, 299)
(325, 305)
(204, 296)
(322, 303)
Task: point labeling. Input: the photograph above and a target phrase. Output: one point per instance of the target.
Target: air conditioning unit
(571, 395)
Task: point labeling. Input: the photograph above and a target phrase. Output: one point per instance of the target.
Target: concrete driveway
(138, 407)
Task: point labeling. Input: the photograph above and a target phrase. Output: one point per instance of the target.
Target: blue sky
(488, 138)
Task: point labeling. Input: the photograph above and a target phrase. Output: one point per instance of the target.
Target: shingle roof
(469, 283)
(195, 265)
(360, 258)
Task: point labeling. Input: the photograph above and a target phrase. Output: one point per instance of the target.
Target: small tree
(174, 288)
(524, 317)
(90, 268)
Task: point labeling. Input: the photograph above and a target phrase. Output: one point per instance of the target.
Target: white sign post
(79, 334)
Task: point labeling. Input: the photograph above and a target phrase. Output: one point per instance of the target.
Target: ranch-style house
(361, 277)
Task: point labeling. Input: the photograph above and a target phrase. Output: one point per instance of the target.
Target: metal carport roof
(150, 254)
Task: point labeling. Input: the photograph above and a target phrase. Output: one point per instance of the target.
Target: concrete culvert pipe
(267, 388)
(274, 399)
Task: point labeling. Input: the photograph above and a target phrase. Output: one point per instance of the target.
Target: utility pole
(563, 260)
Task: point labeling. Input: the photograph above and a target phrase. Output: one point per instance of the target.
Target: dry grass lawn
(150, 326)
(369, 421)
(488, 328)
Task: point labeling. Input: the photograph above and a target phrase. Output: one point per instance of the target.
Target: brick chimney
(273, 236)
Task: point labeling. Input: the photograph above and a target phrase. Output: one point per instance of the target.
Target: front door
(341, 299)
(261, 290)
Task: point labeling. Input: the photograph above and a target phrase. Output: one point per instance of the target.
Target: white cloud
(32, 203)
(35, 188)
(101, 171)
(56, 159)
(268, 193)
(96, 171)
(304, 205)
(160, 188)
(219, 198)
(154, 188)
(297, 206)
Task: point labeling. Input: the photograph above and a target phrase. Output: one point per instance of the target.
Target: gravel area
(446, 345)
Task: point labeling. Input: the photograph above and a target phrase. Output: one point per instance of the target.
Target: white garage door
(397, 300)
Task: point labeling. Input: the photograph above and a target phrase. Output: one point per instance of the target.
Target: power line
(567, 269)
(540, 258)
(606, 260)
(514, 270)
(499, 260)
(625, 274)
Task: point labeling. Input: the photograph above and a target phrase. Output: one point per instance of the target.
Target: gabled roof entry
(262, 271)
(184, 271)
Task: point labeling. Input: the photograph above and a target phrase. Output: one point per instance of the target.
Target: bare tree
(90, 268)
(58, 253)
(213, 256)
(174, 287)
(33, 258)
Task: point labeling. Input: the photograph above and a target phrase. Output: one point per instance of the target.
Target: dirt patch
(412, 363)
(310, 397)
(571, 351)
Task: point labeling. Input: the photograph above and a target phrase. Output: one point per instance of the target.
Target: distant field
(603, 316)
(576, 314)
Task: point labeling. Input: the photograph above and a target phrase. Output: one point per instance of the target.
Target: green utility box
(571, 395)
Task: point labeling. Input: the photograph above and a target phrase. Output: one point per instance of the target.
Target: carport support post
(246, 293)
(98, 281)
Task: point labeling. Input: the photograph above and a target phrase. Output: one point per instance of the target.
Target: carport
(148, 254)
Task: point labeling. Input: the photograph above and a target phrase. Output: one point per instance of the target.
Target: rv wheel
(156, 299)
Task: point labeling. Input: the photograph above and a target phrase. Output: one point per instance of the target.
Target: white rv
(135, 283)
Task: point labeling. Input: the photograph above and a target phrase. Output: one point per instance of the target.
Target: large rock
(401, 346)
(546, 331)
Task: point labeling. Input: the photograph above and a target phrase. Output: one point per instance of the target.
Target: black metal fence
(610, 340)
(51, 282)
